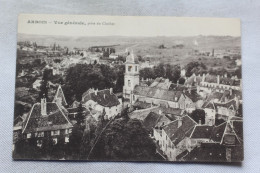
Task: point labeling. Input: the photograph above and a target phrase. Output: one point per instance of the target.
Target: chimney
(96, 91)
(203, 77)
(230, 91)
(199, 122)
(179, 122)
(160, 112)
(218, 79)
(177, 83)
(104, 96)
(43, 106)
(111, 91)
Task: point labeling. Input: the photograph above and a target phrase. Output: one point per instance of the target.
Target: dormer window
(55, 132)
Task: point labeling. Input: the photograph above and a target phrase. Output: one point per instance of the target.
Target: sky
(148, 26)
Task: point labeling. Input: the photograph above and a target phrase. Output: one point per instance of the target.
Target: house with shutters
(102, 101)
(47, 120)
(219, 83)
(172, 137)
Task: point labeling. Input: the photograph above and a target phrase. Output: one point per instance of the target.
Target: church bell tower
(131, 78)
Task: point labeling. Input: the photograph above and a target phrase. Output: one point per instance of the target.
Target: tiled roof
(177, 134)
(192, 80)
(161, 83)
(218, 132)
(154, 119)
(215, 133)
(193, 96)
(103, 98)
(231, 94)
(172, 111)
(171, 128)
(226, 105)
(209, 152)
(208, 105)
(215, 95)
(55, 119)
(143, 113)
(141, 104)
(157, 93)
(238, 128)
(176, 87)
(202, 131)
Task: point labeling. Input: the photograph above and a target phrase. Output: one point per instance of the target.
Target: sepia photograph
(128, 88)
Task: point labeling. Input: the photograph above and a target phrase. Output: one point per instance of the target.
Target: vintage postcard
(114, 88)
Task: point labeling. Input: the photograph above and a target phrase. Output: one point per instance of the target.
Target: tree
(120, 78)
(147, 73)
(181, 81)
(194, 67)
(198, 115)
(161, 46)
(43, 90)
(84, 76)
(125, 140)
(173, 73)
(159, 70)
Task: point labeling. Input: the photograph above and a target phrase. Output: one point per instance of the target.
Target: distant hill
(84, 42)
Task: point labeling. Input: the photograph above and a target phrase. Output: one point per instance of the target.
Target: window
(39, 143)
(129, 68)
(55, 141)
(136, 68)
(39, 134)
(67, 131)
(129, 83)
(29, 135)
(55, 132)
(67, 139)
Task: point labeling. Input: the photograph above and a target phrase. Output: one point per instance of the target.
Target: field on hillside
(149, 47)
